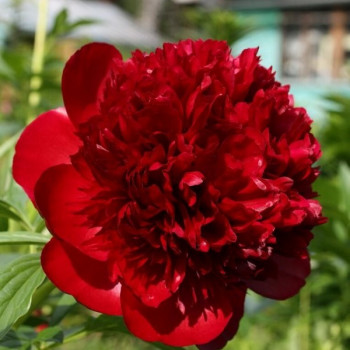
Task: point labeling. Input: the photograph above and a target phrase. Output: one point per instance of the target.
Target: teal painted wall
(267, 35)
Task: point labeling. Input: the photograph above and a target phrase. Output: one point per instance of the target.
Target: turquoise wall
(267, 35)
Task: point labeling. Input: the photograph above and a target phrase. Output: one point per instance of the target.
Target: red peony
(171, 183)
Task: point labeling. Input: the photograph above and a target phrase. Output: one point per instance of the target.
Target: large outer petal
(285, 277)
(237, 299)
(49, 140)
(81, 276)
(170, 323)
(60, 197)
(83, 78)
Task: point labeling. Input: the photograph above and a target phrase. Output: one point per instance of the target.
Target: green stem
(38, 57)
(305, 317)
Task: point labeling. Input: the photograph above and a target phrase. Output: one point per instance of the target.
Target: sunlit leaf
(22, 237)
(18, 281)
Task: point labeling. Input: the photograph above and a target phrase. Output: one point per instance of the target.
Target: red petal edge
(170, 325)
(83, 77)
(60, 197)
(286, 278)
(237, 299)
(49, 140)
(81, 276)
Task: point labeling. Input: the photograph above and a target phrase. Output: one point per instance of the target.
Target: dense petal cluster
(171, 183)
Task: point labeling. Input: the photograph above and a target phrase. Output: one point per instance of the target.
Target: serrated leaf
(22, 237)
(18, 281)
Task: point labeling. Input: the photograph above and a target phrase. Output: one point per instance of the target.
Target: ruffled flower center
(199, 174)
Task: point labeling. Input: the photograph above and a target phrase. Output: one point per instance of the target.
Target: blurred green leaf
(218, 24)
(26, 338)
(18, 281)
(344, 178)
(21, 339)
(50, 334)
(8, 145)
(23, 237)
(7, 210)
(105, 323)
(80, 23)
(334, 135)
(60, 23)
(63, 307)
(4, 223)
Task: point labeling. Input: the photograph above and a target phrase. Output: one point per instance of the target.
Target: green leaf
(4, 224)
(64, 305)
(18, 281)
(116, 324)
(106, 323)
(19, 339)
(7, 210)
(22, 237)
(8, 145)
(80, 23)
(344, 178)
(166, 347)
(6, 258)
(51, 334)
(60, 23)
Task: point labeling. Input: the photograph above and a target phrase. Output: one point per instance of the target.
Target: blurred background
(307, 43)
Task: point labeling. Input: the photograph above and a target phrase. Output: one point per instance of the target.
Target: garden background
(308, 46)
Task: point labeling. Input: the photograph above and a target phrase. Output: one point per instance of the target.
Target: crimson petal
(237, 299)
(170, 324)
(81, 276)
(83, 78)
(285, 277)
(49, 140)
(60, 197)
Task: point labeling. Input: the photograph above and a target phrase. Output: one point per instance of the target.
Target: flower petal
(60, 198)
(83, 78)
(49, 140)
(172, 324)
(237, 299)
(285, 277)
(81, 276)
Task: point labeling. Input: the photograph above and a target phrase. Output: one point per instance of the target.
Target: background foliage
(35, 315)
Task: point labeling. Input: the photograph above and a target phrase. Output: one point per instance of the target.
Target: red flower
(172, 183)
